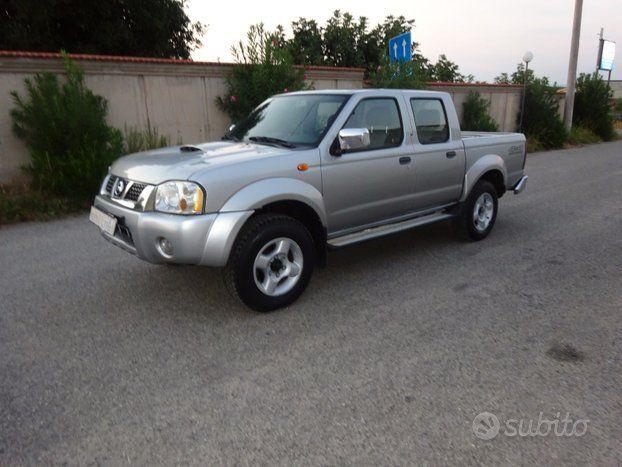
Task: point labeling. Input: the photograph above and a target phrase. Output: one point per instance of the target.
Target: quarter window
(431, 120)
(381, 117)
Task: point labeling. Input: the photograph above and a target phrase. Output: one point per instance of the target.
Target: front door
(370, 185)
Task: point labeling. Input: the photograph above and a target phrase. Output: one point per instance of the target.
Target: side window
(381, 116)
(430, 120)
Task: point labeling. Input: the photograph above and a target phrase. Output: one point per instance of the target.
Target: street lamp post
(526, 58)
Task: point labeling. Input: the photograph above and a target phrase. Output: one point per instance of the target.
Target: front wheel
(479, 212)
(271, 262)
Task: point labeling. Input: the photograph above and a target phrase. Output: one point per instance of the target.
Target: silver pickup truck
(303, 173)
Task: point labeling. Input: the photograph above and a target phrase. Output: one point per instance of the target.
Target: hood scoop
(190, 148)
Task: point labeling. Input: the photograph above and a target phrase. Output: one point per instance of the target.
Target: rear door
(439, 156)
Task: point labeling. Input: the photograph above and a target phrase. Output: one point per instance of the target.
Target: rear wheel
(271, 262)
(479, 212)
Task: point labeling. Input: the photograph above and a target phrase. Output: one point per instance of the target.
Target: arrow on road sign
(400, 48)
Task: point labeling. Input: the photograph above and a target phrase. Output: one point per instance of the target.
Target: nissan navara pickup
(306, 172)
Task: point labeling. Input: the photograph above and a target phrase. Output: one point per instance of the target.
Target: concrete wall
(179, 96)
(616, 86)
(504, 100)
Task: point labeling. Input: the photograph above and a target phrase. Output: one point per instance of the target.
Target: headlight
(179, 198)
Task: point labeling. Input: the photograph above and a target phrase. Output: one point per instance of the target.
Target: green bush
(137, 140)
(400, 75)
(475, 115)
(64, 128)
(579, 136)
(19, 204)
(592, 106)
(542, 121)
(264, 68)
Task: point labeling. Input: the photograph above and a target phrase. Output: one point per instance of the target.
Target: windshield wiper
(229, 138)
(269, 139)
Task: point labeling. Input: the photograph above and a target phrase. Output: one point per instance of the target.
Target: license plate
(104, 221)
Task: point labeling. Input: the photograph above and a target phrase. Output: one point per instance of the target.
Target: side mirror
(351, 139)
(231, 127)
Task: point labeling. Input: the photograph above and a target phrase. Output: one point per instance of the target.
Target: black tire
(239, 273)
(465, 222)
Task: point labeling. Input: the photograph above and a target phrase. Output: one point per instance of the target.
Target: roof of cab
(370, 92)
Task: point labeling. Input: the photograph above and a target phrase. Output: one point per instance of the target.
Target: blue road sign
(399, 48)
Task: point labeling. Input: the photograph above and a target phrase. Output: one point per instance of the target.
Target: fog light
(166, 247)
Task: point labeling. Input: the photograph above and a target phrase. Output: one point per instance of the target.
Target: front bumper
(203, 239)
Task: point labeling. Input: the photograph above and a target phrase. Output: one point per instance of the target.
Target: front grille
(134, 192)
(110, 183)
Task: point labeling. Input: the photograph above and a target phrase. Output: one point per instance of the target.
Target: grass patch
(533, 145)
(581, 136)
(20, 204)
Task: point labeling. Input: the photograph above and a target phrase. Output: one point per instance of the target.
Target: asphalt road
(386, 359)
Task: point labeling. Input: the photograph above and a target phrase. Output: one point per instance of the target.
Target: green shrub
(542, 121)
(579, 136)
(413, 74)
(264, 68)
(64, 128)
(137, 140)
(592, 106)
(475, 115)
(533, 145)
(19, 204)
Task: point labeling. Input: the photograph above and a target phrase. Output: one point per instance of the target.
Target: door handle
(405, 160)
(450, 154)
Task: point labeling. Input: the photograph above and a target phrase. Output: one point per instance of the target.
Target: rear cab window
(430, 120)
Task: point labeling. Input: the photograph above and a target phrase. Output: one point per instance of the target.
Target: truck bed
(509, 146)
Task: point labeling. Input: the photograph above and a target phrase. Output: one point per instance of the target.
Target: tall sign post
(606, 56)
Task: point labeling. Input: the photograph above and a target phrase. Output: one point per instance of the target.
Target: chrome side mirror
(351, 139)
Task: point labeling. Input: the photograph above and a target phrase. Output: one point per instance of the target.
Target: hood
(160, 165)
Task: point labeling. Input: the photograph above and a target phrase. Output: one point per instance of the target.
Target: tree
(400, 75)
(517, 77)
(447, 71)
(542, 120)
(64, 128)
(154, 28)
(592, 106)
(306, 46)
(264, 68)
(343, 37)
(475, 116)
(344, 40)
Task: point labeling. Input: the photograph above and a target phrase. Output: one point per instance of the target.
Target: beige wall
(180, 98)
(504, 100)
(616, 86)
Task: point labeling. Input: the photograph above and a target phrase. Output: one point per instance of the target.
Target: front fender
(480, 167)
(270, 190)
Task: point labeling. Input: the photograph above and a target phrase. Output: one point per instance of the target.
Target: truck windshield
(290, 121)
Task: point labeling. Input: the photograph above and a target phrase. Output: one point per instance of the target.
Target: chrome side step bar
(387, 229)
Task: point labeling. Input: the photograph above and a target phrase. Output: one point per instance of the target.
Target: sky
(484, 37)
